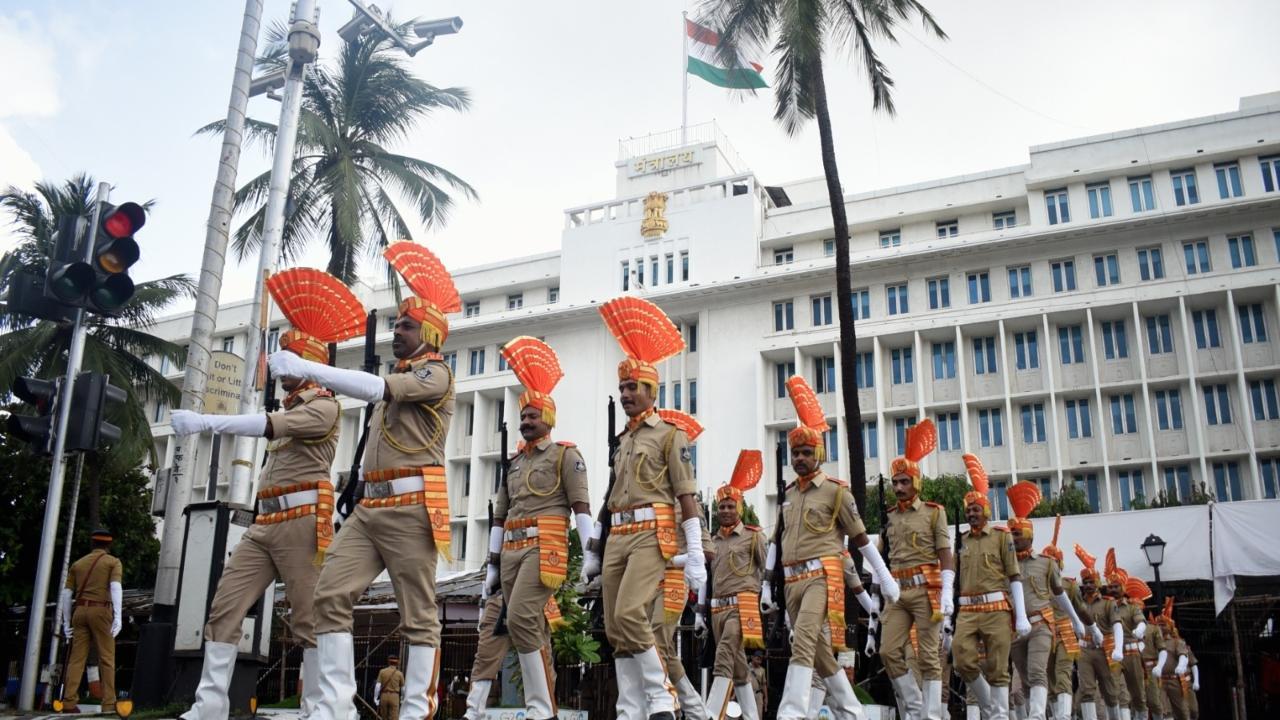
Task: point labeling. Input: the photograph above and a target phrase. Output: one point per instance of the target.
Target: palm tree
(344, 175)
(115, 346)
(801, 30)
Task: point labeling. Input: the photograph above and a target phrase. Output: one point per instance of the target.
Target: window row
(665, 270)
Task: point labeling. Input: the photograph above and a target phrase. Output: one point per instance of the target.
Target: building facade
(1104, 315)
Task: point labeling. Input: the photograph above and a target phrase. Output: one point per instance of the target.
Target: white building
(1104, 315)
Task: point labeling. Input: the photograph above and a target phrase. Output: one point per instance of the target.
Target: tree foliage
(574, 643)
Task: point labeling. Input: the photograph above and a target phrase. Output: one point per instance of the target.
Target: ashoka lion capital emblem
(655, 220)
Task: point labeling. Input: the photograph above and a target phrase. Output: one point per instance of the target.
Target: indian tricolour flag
(706, 63)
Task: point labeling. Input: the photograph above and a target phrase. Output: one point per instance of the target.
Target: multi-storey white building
(1104, 315)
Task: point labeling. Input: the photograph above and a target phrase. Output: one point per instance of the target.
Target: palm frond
(857, 30)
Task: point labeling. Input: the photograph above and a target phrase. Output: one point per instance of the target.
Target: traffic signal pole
(53, 505)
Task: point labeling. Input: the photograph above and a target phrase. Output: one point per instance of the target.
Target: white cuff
(354, 383)
(948, 583)
(872, 556)
(770, 558)
(864, 599)
(117, 598)
(1117, 635)
(1195, 674)
(1019, 601)
(1140, 631)
(495, 539)
(586, 527)
(1161, 659)
(679, 560)
(65, 605)
(242, 425)
(1181, 667)
(693, 540)
(702, 596)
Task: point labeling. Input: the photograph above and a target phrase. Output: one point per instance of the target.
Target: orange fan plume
(534, 363)
(1136, 589)
(1024, 496)
(748, 470)
(1090, 562)
(977, 473)
(683, 420)
(808, 410)
(922, 439)
(424, 274)
(1057, 527)
(317, 304)
(642, 329)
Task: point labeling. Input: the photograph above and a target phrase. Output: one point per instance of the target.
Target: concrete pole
(62, 578)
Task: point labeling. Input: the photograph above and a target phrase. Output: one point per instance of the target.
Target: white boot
(1000, 703)
(1037, 702)
(972, 712)
(337, 676)
(631, 702)
(795, 693)
(843, 702)
(1062, 709)
(654, 683)
(1088, 711)
(817, 698)
(212, 702)
(310, 681)
(1125, 714)
(537, 690)
(477, 698)
(746, 700)
(982, 691)
(1113, 712)
(420, 676)
(933, 709)
(909, 696)
(690, 701)
(718, 698)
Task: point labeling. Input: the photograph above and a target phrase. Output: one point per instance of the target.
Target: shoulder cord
(835, 512)
(281, 443)
(559, 467)
(652, 484)
(749, 568)
(432, 411)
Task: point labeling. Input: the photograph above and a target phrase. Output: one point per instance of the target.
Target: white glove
(947, 598)
(1117, 652)
(1140, 631)
(1181, 667)
(377, 693)
(1078, 628)
(354, 383)
(695, 569)
(1195, 678)
(65, 601)
(1020, 621)
(888, 586)
(948, 631)
(1064, 603)
(1096, 634)
(117, 599)
(679, 560)
(590, 558)
(699, 626)
(1158, 670)
(490, 581)
(766, 599)
(1141, 646)
(871, 641)
(868, 603)
(185, 422)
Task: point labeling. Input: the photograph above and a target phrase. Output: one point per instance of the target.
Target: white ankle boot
(718, 698)
(795, 693)
(1062, 708)
(690, 701)
(746, 697)
(1000, 703)
(420, 675)
(477, 699)
(212, 702)
(841, 698)
(932, 707)
(337, 676)
(1088, 711)
(631, 701)
(537, 690)
(909, 696)
(654, 682)
(310, 681)
(1037, 702)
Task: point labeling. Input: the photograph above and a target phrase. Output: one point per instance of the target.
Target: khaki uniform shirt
(818, 519)
(916, 534)
(739, 560)
(1039, 575)
(1130, 616)
(304, 439)
(1072, 590)
(1191, 657)
(1104, 612)
(545, 479)
(409, 430)
(1154, 640)
(95, 585)
(391, 679)
(987, 560)
(653, 465)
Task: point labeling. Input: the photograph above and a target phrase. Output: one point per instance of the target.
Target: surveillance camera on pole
(369, 18)
(268, 83)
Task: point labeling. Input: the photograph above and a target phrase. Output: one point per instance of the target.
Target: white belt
(802, 567)
(1034, 617)
(287, 501)
(914, 581)
(635, 515)
(391, 488)
(990, 597)
(519, 534)
(1131, 646)
(731, 601)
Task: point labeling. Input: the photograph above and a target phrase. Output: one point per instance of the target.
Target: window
(553, 295)
(502, 363)
(1020, 281)
(1124, 418)
(1114, 344)
(949, 431)
(1107, 269)
(903, 372)
(947, 229)
(1159, 336)
(998, 496)
(944, 361)
(1099, 200)
(1228, 179)
(1141, 194)
(273, 340)
(897, 299)
(1079, 423)
(824, 374)
(1169, 409)
(870, 439)
(1071, 344)
(693, 401)
(1026, 350)
(1033, 423)
(1004, 220)
(782, 372)
(900, 426)
(864, 370)
(515, 302)
(500, 414)
(1226, 481)
(979, 288)
(832, 442)
(821, 310)
(472, 309)
(1150, 263)
(684, 266)
(164, 364)
(653, 269)
(939, 293)
(451, 359)
(662, 395)
(1242, 255)
(626, 275)
(1206, 325)
(160, 408)
(391, 321)
(228, 344)
(1131, 488)
(984, 355)
(470, 425)
(829, 247)
(671, 267)
(476, 363)
(991, 427)
(1184, 187)
(861, 300)
(1088, 482)
(691, 337)
(1197, 256)
(890, 238)
(676, 389)
(1055, 202)
(1064, 275)
(783, 316)
(1252, 327)
(1269, 469)
(1263, 394)
(640, 273)
(1270, 172)
(782, 256)
(1217, 404)
(1177, 481)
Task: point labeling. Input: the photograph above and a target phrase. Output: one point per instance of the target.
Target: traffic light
(39, 430)
(87, 427)
(68, 277)
(101, 285)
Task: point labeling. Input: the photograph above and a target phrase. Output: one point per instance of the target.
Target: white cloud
(29, 86)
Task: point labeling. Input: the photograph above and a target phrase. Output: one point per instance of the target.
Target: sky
(117, 89)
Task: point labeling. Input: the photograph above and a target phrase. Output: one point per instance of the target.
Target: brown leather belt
(92, 603)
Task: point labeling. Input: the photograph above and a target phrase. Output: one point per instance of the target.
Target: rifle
(347, 500)
(604, 517)
(955, 590)
(708, 658)
(500, 627)
(777, 581)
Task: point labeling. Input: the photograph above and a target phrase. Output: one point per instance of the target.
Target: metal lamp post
(1153, 546)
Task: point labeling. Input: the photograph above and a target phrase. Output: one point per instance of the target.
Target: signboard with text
(222, 392)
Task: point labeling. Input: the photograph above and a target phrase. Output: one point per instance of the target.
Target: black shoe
(663, 716)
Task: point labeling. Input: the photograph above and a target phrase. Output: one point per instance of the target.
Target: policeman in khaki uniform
(402, 523)
(920, 557)
(294, 524)
(90, 604)
(990, 581)
(387, 689)
(818, 515)
(1154, 656)
(1097, 659)
(528, 543)
(1066, 645)
(492, 648)
(653, 471)
(1131, 680)
(1179, 686)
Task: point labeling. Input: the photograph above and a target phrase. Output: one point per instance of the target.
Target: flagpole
(684, 79)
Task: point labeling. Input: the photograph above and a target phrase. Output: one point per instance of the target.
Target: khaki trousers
(389, 706)
(397, 539)
(91, 625)
(526, 597)
(284, 550)
(632, 571)
(810, 633)
(912, 608)
(1031, 655)
(1193, 705)
(1157, 705)
(1177, 704)
(993, 629)
(490, 649)
(1133, 677)
(1097, 682)
(664, 638)
(731, 659)
(1060, 664)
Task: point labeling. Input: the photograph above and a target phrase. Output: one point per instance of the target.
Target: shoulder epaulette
(789, 485)
(933, 504)
(566, 443)
(324, 393)
(894, 509)
(838, 481)
(753, 528)
(1001, 528)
